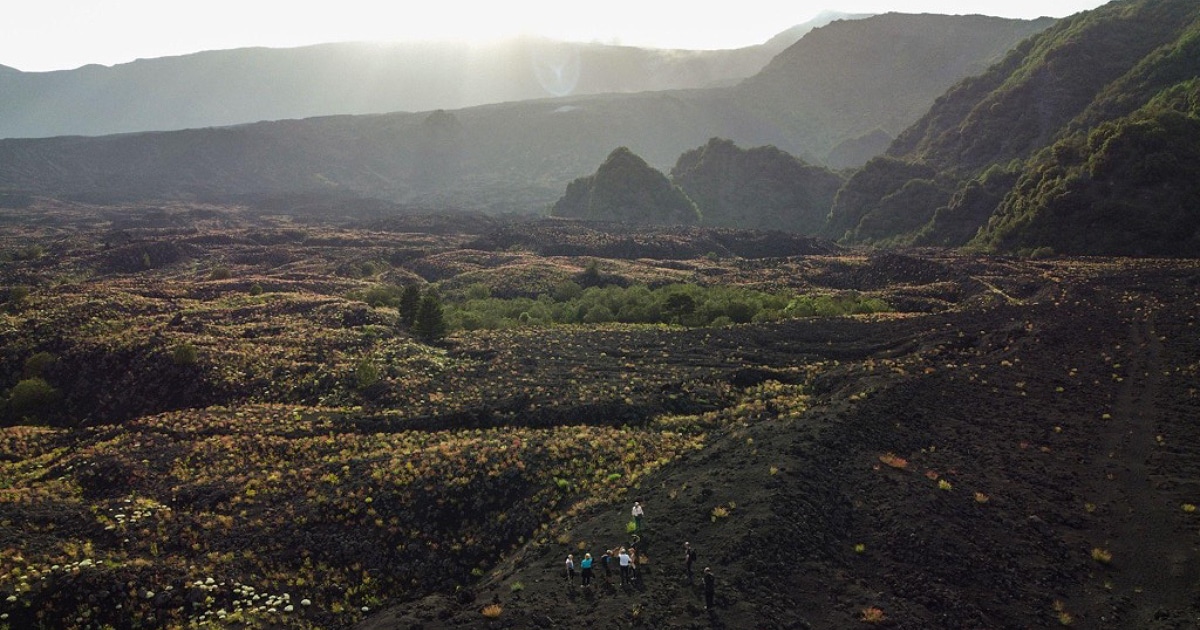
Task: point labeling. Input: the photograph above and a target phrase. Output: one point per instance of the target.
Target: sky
(41, 35)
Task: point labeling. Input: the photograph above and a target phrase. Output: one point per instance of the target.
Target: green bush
(33, 400)
(366, 375)
(37, 364)
(185, 354)
(683, 304)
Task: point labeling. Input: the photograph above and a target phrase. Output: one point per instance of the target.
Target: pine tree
(410, 301)
(429, 324)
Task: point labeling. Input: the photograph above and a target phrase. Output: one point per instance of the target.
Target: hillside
(761, 188)
(1080, 141)
(513, 156)
(627, 190)
(843, 82)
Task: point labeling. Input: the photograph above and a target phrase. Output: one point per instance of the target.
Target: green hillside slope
(1003, 160)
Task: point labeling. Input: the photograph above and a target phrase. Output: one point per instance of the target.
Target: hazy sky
(55, 34)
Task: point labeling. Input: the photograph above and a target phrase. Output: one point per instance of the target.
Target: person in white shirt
(624, 561)
(637, 516)
(570, 568)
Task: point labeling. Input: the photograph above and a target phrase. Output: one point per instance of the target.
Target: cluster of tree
(682, 304)
(1127, 187)
(421, 314)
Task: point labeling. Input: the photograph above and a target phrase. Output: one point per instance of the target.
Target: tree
(429, 323)
(410, 301)
(679, 305)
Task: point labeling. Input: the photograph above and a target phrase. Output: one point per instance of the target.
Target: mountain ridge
(515, 157)
(243, 85)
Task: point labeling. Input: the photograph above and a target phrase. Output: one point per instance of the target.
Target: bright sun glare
(56, 34)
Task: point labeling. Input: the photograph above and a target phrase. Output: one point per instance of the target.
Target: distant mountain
(244, 85)
(1083, 140)
(520, 156)
(628, 190)
(760, 188)
(848, 79)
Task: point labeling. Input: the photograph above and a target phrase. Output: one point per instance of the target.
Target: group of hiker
(626, 560)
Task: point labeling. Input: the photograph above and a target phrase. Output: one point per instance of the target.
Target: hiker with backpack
(689, 558)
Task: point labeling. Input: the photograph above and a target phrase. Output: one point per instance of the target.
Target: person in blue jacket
(586, 568)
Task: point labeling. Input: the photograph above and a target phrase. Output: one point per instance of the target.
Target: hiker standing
(689, 558)
(637, 516)
(624, 561)
(570, 568)
(710, 588)
(586, 567)
(633, 566)
(606, 562)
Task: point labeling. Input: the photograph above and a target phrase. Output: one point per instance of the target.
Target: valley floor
(1048, 479)
(240, 437)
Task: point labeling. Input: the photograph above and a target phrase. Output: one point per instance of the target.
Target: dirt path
(1155, 570)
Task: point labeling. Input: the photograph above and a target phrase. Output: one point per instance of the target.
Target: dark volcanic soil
(1039, 436)
(1015, 446)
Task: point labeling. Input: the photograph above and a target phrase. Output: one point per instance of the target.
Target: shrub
(873, 615)
(33, 399)
(185, 354)
(893, 460)
(17, 295)
(37, 364)
(382, 295)
(492, 611)
(217, 273)
(517, 587)
(1103, 556)
(366, 374)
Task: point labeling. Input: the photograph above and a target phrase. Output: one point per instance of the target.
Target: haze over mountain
(243, 85)
(520, 156)
(1084, 140)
